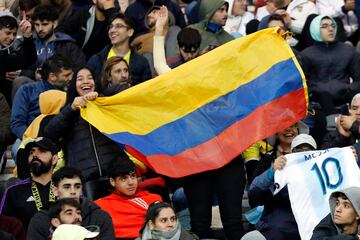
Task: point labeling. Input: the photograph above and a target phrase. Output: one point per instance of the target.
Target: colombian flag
(202, 114)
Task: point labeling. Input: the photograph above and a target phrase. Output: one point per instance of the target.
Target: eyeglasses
(326, 26)
(117, 26)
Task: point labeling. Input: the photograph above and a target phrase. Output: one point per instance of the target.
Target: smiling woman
(85, 148)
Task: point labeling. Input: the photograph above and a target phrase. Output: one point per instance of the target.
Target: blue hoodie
(44, 50)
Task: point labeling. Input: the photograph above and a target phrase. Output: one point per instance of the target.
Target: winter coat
(329, 66)
(299, 10)
(83, 22)
(137, 12)
(40, 227)
(208, 37)
(277, 221)
(327, 229)
(85, 148)
(237, 24)
(139, 66)
(14, 61)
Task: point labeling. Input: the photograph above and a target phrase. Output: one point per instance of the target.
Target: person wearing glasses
(127, 204)
(162, 223)
(120, 31)
(277, 220)
(329, 65)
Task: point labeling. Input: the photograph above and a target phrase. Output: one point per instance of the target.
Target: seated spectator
(257, 160)
(213, 16)
(120, 30)
(74, 232)
(28, 7)
(329, 79)
(347, 132)
(188, 40)
(85, 148)
(49, 42)
(144, 42)
(23, 58)
(24, 199)
(343, 220)
(162, 223)
(89, 26)
(56, 74)
(238, 17)
(277, 222)
(68, 184)
(350, 21)
(6, 137)
(127, 205)
(137, 12)
(65, 211)
(116, 76)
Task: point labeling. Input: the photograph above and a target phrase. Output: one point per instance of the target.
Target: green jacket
(207, 10)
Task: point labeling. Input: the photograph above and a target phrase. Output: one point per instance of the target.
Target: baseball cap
(73, 232)
(303, 139)
(44, 143)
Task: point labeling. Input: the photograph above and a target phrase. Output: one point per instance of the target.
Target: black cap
(44, 143)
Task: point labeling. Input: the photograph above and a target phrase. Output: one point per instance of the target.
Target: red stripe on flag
(265, 121)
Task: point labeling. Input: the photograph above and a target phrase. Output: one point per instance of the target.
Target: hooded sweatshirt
(329, 66)
(210, 37)
(128, 213)
(237, 24)
(327, 229)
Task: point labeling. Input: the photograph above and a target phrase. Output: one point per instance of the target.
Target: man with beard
(89, 26)
(56, 74)
(65, 211)
(68, 184)
(48, 42)
(23, 199)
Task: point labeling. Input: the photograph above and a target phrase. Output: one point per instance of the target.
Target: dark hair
(127, 21)
(340, 195)
(189, 38)
(58, 205)
(107, 69)
(48, 13)
(276, 17)
(122, 166)
(71, 92)
(66, 172)
(26, 5)
(8, 22)
(153, 212)
(54, 64)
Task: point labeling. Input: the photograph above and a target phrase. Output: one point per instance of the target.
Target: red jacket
(128, 213)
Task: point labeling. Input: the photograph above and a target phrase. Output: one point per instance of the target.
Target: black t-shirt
(19, 202)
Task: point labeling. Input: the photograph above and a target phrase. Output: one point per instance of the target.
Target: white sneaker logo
(30, 199)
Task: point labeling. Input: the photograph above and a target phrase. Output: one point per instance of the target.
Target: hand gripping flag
(204, 113)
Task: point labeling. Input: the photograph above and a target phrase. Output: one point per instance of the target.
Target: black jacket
(76, 27)
(326, 230)
(40, 227)
(15, 61)
(328, 68)
(82, 143)
(335, 139)
(140, 69)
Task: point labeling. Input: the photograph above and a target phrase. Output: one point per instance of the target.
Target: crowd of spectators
(56, 55)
